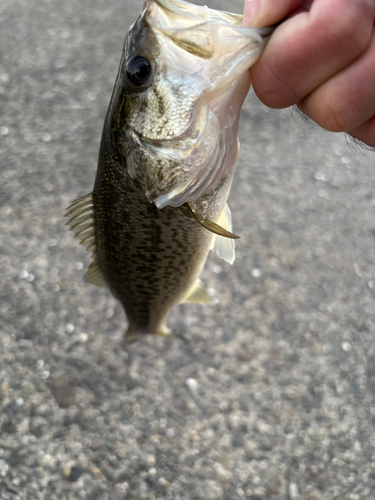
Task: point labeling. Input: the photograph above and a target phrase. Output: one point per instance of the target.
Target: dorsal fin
(81, 221)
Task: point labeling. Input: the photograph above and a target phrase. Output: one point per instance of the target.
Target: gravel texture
(273, 394)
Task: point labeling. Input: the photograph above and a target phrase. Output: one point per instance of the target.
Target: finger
(259, 13)
(366, 132)
(346, 101)
(310, 48)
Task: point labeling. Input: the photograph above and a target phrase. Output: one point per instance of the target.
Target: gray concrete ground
(272, 396)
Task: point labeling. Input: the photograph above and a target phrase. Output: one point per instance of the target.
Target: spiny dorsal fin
(81, 221)
(208, 224)
(224, 247)
(94, 275)
(199, 295)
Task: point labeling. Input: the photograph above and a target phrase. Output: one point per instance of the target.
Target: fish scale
(167, 158)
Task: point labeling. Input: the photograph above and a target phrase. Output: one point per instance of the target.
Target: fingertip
(251, 9)
(260, 13)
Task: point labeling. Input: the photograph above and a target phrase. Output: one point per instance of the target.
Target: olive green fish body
(149, 257)
(168, 154)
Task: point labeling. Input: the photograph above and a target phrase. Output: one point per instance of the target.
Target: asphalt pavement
(272, 395)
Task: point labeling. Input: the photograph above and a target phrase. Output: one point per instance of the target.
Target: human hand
(322, 58)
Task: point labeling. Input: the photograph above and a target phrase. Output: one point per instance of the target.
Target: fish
(167, 157)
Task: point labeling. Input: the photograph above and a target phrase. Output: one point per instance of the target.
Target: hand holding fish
(322, 58)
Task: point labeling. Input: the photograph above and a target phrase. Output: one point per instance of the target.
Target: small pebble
(256, 273)
(163, 482)
(193, 386)
(321, 176)
(346, 346)
(293, 491)
(47, 137)
(83, 337)
(63, 391)
(72, 473)
(69, 328)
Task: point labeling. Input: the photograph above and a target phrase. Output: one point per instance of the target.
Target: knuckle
(329, 113)
(336, 121)
(353, 26)
(272, 86)
(366, 134)
(336, 118)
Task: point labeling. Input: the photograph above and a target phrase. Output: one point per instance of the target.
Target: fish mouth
(185, 13)
(214, 42)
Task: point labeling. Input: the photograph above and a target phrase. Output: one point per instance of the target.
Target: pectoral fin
(224, 247)
(208, 224)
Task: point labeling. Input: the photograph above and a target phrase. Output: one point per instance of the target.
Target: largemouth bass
(168, 153)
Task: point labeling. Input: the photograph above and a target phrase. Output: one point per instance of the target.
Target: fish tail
(133, 334)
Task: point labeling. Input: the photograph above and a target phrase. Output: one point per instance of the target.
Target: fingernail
(250, 11)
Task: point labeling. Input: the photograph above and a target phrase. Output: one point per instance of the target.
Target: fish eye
(138, 73)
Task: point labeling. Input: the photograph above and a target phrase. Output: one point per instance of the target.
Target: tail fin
(132, 334)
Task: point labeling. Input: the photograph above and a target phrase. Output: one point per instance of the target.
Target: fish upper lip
(194, 12)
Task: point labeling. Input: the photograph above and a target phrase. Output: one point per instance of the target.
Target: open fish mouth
(223, 46)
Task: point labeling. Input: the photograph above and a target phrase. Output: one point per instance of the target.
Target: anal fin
(199, 295)
(94, 275)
